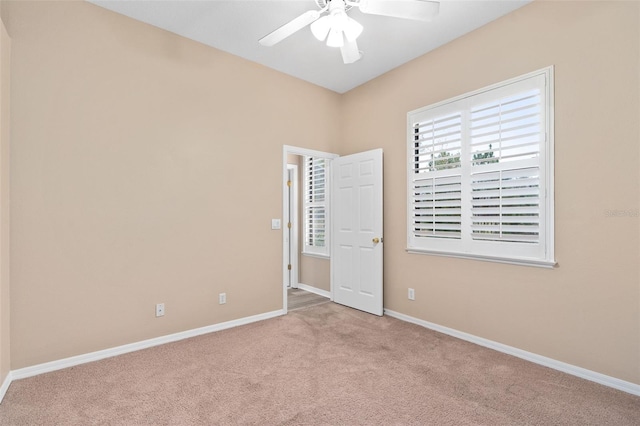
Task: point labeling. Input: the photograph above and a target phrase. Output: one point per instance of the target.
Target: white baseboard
(593, 376)
(583, 373)
(314, 290)
(5, 385)
(119, 350)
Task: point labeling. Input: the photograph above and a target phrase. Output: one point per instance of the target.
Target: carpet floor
(322, 365)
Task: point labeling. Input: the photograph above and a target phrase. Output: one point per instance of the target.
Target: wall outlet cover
(159, 309)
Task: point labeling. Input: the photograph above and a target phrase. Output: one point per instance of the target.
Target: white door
(356, 247)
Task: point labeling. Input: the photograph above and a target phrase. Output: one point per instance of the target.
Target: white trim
(550, 165)
(315, 290)
(489, 88)
(583, 373)
(316, 255)
(293, 252)
(5, 385)
(312, 254)
(132, 347)
(509, 261)
(294, 150)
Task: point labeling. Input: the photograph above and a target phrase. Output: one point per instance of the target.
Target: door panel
(356, 261)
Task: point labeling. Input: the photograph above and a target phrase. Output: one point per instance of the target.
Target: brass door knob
(376, 240)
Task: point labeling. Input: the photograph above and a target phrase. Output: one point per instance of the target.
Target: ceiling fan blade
(350, 52)
(419, 10)
(289, 28)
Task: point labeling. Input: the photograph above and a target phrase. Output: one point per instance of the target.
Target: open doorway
(350, 249)
(306, 259)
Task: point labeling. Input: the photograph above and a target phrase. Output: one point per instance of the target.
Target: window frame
(537, 254)
(307, 249)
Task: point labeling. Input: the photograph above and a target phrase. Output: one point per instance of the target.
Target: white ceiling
(235, 26)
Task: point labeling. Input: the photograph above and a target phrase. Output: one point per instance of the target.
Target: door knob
(376, 240)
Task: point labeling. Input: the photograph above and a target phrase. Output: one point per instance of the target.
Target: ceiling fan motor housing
(323, 3)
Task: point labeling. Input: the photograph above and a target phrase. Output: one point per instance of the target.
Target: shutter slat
(437, 234)
(431, 137)
(496, 138)
(505, 123)
(506, 210)
(497, 217)
(507, 238)
(442, 180)
(435, 153)
(527, 97)
(444, 211)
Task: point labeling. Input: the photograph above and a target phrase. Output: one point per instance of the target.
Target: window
(315, 206)
(480, 174)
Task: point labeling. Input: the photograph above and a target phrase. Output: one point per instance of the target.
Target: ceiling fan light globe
(335, 38)
(339, 19)
(320, 28)
(352, 30)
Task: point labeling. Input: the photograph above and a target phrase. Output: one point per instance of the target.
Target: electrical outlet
(159, 309)
(222, 298)
(412, 294)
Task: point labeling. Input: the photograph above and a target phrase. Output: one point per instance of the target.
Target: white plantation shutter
(505, 205)
(509, 128)
(505, 136)
(315, 226)
(438, 143)
(436, 187)
(481, 171)
(436, 207)
(315, 206)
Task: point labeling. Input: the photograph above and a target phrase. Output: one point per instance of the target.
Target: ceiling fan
(331, 22)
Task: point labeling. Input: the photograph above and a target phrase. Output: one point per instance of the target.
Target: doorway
(349, 190)
(304, 269)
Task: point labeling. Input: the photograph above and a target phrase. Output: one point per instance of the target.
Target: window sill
(510, 261)
(316, 255)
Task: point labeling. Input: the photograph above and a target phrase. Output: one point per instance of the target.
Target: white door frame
(286, 151)
(293, 253)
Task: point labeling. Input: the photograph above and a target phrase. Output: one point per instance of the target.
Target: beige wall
(5, 70)
(145, 169)
(315, 272)
(586, 312)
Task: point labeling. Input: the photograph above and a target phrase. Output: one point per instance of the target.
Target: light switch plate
(275, 224)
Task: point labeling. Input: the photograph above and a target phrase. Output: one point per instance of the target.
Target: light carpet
(323, 365)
